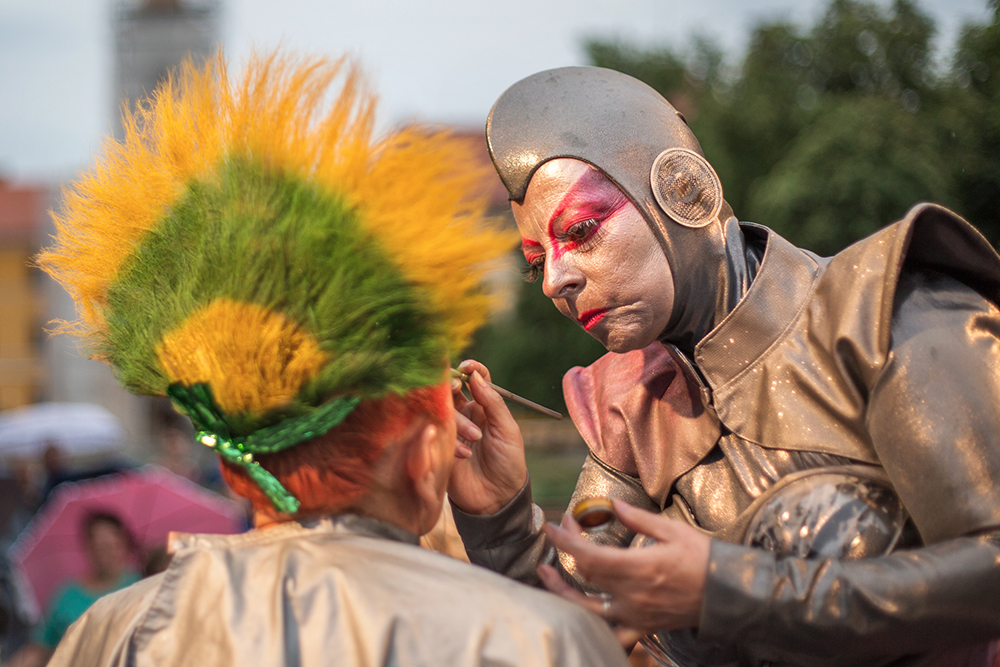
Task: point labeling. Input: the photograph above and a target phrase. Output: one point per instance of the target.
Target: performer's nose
(561, 279)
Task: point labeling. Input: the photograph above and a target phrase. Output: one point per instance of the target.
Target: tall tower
(153, 36)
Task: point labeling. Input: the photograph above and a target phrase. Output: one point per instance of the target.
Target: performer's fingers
(474, 413)
(643, 522)
(470, 365)
(594, 562)
(467, 429)
(483, 394)
(457, 395)
(498, 419)
(458, 398)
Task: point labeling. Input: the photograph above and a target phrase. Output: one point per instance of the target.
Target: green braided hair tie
(197, 402)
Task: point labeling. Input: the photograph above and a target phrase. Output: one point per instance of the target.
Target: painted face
(108, 549)
(600, 263)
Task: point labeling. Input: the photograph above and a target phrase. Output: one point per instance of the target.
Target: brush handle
(511, 396)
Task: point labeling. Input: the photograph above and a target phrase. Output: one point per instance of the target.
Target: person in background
(296, 290)
(108, 549)
(176, 448)
(54, 464)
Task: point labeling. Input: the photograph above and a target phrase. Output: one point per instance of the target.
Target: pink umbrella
(150, 501)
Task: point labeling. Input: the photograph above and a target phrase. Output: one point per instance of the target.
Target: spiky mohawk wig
(253, 250)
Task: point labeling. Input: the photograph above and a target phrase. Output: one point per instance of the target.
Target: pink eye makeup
(581, 213)
(534, 254)
(577, 221)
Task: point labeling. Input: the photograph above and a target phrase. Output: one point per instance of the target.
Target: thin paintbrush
(464, 377)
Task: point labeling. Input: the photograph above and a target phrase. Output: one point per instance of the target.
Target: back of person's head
(334, 470)
(294, 283)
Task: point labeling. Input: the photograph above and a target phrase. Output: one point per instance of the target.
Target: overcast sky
(438, 60)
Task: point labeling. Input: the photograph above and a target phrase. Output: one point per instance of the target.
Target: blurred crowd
(52, 489)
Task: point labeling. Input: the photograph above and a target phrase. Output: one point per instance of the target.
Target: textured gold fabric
(850, 357)
(883, 362)
(342, 591)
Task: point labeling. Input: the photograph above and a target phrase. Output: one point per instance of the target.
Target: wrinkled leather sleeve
(908, 602)
(511, 541)
(934, 413)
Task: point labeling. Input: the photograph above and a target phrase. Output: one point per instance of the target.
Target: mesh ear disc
(686, 187)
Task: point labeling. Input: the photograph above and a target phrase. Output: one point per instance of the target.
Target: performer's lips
(591, 317)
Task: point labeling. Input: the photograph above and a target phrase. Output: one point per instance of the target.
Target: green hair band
(197, 402)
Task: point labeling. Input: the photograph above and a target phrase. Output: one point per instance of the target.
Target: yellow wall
(20, 366)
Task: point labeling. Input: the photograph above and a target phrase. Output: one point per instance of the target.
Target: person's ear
(423, 465)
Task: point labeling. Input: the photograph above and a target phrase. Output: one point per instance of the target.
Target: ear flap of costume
(686, 187)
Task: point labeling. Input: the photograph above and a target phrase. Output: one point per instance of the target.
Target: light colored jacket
(340, 591)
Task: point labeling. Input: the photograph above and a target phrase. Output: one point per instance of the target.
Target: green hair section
(258, 236)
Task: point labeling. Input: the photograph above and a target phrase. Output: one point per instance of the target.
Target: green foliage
(977, 59)
(971, 123)
(830, 132)
(861, 49)
(659, 68)
(809, 194)
(553, 475)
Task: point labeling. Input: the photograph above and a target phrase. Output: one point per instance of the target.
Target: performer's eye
(580, 232)
(533, 270)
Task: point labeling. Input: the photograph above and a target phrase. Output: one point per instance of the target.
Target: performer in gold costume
(819, 435)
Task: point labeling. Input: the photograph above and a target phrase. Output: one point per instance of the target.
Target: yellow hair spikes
(414, 190)
(172, 138)
(431, 221)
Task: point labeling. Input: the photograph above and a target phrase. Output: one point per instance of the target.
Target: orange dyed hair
(328, 473)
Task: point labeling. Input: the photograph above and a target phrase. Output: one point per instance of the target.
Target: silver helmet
(637, 139)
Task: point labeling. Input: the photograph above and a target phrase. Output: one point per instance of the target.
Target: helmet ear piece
(686, 187)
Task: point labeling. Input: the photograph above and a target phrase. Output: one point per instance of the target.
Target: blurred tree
(862, 164)
(843, 125)
(791, 90)
(971, 124)
(977, 58)
(863, 49)
(661, 69)
(768, 104)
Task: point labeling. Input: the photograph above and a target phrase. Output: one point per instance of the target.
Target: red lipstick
(591, 317)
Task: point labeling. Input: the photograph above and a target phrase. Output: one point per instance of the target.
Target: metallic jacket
(869, 383)
(339, 591)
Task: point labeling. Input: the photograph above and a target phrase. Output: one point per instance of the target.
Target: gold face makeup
(598, 260)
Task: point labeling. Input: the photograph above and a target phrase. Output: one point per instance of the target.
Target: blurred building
(153, 36)
(22, 215)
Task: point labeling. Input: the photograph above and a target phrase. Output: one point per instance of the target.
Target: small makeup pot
(594, 514)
